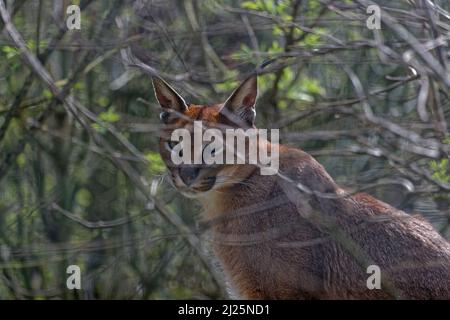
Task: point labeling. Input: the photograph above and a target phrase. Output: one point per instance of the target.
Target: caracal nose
(189, 174)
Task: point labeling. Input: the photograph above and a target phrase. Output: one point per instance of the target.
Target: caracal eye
(171, 144)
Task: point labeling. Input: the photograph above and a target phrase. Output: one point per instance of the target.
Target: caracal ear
(167, 97)
(241, 104)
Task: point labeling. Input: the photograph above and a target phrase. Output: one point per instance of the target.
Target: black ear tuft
(241, 104)
(167, 97)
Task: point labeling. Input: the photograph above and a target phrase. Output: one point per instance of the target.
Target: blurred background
(81, 179)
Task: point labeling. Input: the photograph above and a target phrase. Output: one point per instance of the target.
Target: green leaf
(440, 170)
(83, 198)
(313, 86)
(251, 5)
(156, 163)
(47, 94)
(21, 160)
(109, 116)
(103, 101)
(10, 51)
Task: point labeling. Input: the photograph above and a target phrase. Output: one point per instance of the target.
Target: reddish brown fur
(276, 242)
